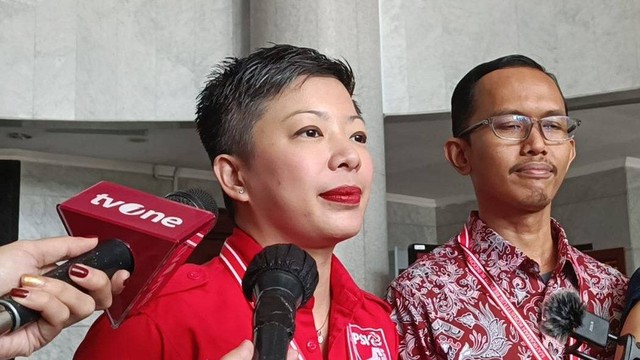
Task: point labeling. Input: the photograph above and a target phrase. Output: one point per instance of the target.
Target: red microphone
(150, 235)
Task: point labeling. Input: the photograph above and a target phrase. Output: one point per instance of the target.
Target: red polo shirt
(202, 314)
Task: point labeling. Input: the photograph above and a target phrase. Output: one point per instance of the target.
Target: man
(480, 295)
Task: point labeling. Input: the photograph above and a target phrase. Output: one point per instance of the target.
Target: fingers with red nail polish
(78, 271)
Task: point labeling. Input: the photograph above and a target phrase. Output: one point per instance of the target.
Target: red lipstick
(349, 195)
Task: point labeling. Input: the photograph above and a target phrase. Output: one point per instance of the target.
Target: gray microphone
(565, 316)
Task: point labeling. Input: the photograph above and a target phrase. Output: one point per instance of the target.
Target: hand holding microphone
(59, 303)
(144, 228)
(109, 256)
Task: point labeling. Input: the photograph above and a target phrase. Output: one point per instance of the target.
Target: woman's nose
(344, 155)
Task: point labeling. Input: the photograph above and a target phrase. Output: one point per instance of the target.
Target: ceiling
(415, 164)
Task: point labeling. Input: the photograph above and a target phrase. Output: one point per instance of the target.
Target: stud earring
(241, 191)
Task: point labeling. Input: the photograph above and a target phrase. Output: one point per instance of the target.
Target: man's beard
(536, 199)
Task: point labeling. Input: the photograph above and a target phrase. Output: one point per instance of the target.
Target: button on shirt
(202, 314)
(443, 312)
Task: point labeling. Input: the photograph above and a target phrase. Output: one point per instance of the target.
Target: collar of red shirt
(240, 248)
(498, 255)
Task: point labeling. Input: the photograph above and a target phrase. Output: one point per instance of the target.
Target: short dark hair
(463, 97)
(238, 89)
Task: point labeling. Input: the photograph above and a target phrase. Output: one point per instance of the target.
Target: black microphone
(565, 316)
(109, 256)
(196, 198)
(279, 280)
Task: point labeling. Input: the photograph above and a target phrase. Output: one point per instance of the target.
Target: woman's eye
(312, 133)
(360, 137)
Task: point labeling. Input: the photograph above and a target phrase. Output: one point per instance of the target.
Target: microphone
(149, 240)
(565, 316)
(279, 280)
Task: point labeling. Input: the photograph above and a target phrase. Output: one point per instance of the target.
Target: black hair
(238, 90)
(463, 97)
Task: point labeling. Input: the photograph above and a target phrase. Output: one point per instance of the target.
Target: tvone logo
(133, 209)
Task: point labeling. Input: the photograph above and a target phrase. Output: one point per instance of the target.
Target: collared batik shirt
(443, 312)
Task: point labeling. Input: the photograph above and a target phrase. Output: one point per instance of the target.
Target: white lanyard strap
(476, 268)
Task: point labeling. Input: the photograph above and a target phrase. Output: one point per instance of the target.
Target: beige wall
(112, 59)
(428, 45)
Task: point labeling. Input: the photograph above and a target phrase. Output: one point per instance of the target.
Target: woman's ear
(228, 172)
(456, 152)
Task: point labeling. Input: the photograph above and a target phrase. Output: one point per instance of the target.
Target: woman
(59, 303)
(288, 147)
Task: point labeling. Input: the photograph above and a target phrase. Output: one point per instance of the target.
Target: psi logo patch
(367, 343)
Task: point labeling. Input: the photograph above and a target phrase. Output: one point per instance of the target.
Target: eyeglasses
(518, 127)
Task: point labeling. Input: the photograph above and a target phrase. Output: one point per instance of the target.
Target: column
(346, 29)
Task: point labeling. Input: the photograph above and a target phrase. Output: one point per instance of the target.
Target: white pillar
(347, 29)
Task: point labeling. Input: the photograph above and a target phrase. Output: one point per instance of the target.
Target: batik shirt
(442, 310)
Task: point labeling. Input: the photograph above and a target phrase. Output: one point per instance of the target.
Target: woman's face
(309, 177)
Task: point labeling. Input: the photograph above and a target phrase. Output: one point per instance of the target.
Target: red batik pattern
(443, 312)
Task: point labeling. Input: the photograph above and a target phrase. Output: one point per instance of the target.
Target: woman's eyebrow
(321, 114)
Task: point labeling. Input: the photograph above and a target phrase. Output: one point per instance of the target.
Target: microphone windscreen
(283, 257)
(196, 198)
(562, 313)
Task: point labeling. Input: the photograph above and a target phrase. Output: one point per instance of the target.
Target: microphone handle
(271, 342)
(274, 324)
(109, 256)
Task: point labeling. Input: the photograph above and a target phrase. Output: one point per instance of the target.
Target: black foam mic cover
(196, 198)
(280, 279)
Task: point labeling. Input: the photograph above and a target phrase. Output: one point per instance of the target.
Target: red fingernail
(78, 271)
(19, 293)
